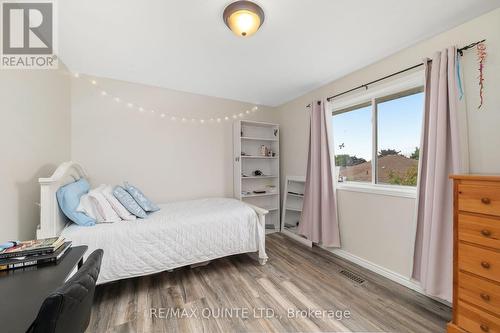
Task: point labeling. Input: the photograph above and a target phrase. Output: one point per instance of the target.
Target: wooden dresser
(476, 264)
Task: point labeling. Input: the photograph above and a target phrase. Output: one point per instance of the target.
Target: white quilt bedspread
(180, 234)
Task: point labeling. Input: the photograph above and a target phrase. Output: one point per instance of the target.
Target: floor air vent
(352, 276)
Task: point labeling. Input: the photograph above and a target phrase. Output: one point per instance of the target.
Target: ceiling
(303, 44)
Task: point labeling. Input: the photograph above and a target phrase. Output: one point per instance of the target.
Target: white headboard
(52, 220)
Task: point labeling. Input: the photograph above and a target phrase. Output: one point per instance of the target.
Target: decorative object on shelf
(481, 56)
(271, 189)
(258, 173)
(259, 192)
(263, 150)
(182, 118)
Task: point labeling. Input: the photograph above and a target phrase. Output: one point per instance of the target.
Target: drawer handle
(486, 233)
(486, 201)
(485, 264)
(485, 297)
(484, 328)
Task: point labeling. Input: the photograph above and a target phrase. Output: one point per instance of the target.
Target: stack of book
(33, 252)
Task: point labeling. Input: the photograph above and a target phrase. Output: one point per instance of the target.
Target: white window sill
(390, 190)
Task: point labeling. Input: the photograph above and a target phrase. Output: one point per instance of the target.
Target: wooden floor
(231, 295)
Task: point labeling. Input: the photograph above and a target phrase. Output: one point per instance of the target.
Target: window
(386, 130)
(399, 124)
(352, 130)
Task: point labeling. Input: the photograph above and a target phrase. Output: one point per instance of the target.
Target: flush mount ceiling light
(244, 18)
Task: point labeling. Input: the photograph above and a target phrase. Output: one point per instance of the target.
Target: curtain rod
(459, 51)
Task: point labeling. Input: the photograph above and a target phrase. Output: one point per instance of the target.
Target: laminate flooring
(299, 290)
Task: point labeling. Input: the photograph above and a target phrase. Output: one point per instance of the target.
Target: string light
(164, 114)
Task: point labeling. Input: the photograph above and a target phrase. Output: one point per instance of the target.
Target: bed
(180, 234)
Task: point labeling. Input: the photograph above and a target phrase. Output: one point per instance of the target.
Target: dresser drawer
(479, 292)
(479, 230)
(479, 199)
(474, 320)
(485, 263)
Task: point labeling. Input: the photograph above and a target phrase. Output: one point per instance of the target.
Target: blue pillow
(68, 198)
(141, 199)
(128, 202)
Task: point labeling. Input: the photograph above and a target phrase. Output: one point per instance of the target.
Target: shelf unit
(293, 201)
(249, 137)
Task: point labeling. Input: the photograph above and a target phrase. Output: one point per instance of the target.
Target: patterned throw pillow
(141, 199)
(128, 202)
(107, 191)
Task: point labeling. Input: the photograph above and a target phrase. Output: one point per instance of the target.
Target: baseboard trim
(393, 276)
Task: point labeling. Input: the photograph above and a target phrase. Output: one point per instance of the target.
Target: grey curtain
(319, 217)
(440, 156)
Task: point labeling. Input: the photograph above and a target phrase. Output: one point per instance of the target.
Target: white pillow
(104, 207)
(95, 205)
(107, 192)
(88, 207)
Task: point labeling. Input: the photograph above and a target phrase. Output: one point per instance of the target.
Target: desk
(23, 290)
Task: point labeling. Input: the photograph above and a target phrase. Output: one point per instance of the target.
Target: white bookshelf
(249, 137)
(293, 200)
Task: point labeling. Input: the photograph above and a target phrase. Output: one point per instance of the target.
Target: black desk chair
(68, 309)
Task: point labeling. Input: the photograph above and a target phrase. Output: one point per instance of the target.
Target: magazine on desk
(31, 247)
(31, 260)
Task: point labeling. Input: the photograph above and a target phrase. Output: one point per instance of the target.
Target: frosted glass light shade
(244, 18)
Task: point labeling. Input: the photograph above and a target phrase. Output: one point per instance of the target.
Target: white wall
(167, 160)
(374, 227)
(34, 139)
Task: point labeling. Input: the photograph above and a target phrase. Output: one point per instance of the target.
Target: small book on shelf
(33, 247)
(31, 260)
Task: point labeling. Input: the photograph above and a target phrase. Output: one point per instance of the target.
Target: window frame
(398, 88)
